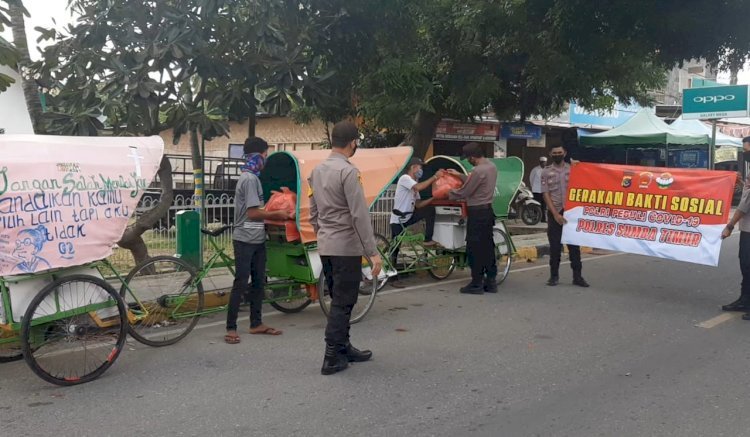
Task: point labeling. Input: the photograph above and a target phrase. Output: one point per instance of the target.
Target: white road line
(417, 287)
(718, 320)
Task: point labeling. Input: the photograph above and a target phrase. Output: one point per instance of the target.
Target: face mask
(354, 149)
(419, 174)
(746, 155)
(557, 159)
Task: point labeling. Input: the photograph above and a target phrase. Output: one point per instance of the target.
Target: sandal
(232, 338)
(266, 330)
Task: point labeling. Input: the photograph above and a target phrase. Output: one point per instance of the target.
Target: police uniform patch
(359, 177)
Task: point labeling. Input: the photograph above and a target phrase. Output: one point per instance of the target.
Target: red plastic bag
(444, 184)
(284, 200)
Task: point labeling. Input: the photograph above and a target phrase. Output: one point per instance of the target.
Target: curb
(532, 253)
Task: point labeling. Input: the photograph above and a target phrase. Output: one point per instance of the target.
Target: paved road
(625, 357)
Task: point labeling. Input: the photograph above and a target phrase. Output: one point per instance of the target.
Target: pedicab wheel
(73, 330)
(288, 299)
(503, 254)
(442, 264)
(361, 308)
(365, 286)
(10, 354)
(164, 300)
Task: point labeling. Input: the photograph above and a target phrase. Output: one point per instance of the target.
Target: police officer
(340, 217)
(478, 191)
(554, 187)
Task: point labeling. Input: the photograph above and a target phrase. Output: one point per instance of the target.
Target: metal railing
(219, 210)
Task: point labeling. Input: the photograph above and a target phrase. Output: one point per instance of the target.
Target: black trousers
(427, 214)
(745, 265)
(480, 246)
(539, 197)
(249, 261)
(554, 235)
(342, 275)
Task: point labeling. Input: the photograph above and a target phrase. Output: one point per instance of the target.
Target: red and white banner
(662, 212)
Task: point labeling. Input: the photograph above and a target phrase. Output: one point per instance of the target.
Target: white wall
(14, 117)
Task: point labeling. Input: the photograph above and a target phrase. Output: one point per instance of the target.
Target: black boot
(579, 281)
(740, 304)
(472, 288)
(355, 355)
(553, 280)
(335, 360)
(490, 285)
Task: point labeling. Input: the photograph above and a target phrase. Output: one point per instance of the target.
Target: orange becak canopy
(379, 167)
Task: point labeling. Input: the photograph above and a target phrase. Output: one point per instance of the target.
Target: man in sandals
(249, 241)
(340, 217)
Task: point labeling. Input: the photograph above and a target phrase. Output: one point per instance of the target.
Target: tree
(17, 13)
(186, 65)
(413, 62)
(8, 52)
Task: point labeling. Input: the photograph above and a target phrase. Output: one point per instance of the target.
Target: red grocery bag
(444, 184)
(284, 200)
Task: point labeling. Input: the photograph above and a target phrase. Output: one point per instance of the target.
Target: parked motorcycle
(525, 206)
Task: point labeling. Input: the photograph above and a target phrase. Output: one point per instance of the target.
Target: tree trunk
(30, 89)
(132, 238)
(252, 121)
(733, 76)
(422, 133)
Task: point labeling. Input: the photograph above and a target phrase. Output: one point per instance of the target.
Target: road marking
(718, 320)
(417, 287)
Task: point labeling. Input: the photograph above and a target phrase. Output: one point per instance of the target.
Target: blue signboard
(609, 118)
(528, 131)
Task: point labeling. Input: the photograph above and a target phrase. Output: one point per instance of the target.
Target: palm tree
(30, 90)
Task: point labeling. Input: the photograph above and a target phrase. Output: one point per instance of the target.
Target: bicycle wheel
(288, 299)
(73, 330)
(442, 264)
(10, 352)
(365, 286)
(363, 305)
(503, 254)
(164, 300)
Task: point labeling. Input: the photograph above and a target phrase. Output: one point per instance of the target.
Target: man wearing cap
(478, 191)
(536, 183)
(340, 217)
(408, 208)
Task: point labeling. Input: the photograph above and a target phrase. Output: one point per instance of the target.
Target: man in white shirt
(536, 183)
(408, 207)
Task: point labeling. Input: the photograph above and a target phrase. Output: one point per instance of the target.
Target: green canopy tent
(644, 131)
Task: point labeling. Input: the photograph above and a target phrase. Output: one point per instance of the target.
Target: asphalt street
(645, 351)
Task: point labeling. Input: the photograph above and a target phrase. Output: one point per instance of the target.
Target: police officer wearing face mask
(341, 219)
(555, 179)
(478, 191)
(741, 216)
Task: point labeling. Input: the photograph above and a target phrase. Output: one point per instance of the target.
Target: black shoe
(581, 282)
(746, 316)
(737, 305)
(553, 280)
(472, 288)
(490, 285)
(355, 355)
(334, 361)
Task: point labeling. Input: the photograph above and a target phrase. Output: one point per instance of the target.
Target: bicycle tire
(184, 275)
(361, 308)
(437, 274)
(288, 306)
(503, 255)
(71, 329)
